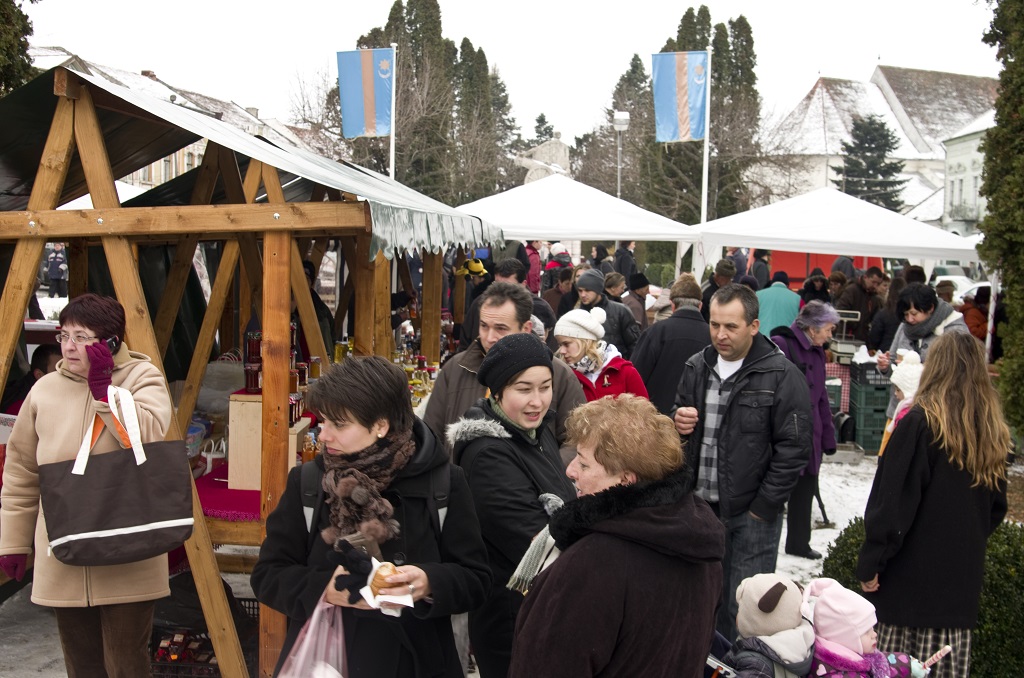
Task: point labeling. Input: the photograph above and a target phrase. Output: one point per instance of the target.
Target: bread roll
(379, 578)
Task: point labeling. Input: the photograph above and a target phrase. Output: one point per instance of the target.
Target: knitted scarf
(586, 365)
(353, 484)
(927, 326)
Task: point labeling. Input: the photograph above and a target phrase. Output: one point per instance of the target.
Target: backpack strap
(312, 486)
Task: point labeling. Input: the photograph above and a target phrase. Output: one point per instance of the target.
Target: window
(167, 168)
(190, 161)
(977, 192)
(952, 201)
(146, 174)
(960, 191)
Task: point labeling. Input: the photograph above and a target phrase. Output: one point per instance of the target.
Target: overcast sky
(559, 57)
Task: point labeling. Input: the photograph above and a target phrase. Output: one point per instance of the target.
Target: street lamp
(620, 121)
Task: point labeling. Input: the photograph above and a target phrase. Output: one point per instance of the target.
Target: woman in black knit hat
(510, 458)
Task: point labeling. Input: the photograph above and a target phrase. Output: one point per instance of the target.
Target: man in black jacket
(743, 411)
(725, 270)
(620, 328)
(666, 346)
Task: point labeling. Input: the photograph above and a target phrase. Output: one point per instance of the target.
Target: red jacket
(618, 376)
(533, 275)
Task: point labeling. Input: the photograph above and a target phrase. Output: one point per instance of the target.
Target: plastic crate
(868, 421)
(868, 396)
(250, 651)
(835, 396)
(869, 441)
(866, 373)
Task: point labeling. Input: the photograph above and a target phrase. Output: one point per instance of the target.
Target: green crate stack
(835, 396)
(868, 396)
(869, 425)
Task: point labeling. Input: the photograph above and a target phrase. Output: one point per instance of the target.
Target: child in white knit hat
(775, 639)
(906, 376)
(598, 365)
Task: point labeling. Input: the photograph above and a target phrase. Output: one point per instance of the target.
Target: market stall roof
(829, 221)
(559, 208)
(139, 129)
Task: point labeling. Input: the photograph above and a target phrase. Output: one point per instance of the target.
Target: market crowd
(598, 482)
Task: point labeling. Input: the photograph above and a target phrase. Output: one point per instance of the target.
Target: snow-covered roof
(917, 188)
(983, 122)
(930, 209)
(922, 108)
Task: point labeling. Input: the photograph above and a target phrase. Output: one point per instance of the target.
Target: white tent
(558, 208)
(829, 221)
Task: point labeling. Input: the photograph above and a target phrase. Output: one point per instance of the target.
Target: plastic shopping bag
(319, 651)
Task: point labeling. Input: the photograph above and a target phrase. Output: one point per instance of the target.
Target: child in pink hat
(845, 638)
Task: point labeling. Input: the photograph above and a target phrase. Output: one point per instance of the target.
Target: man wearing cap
(620, 327)
(636, 299)
(664, 349)
(506, 309)
(779, 304)
(725, 271)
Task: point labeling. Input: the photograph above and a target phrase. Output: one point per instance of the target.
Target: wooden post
(124, 273)
(383, 335)
(277, 250)
(459, 291)
(365, 280)
(433, 269)
(21, 279)
(304, 304)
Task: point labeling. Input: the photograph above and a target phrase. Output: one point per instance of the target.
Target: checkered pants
(923, 643)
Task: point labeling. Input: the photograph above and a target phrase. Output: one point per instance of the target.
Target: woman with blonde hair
(598, 365)
(939, 492)
(636, 545)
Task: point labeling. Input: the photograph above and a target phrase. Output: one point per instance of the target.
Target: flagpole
(394, 95)
(707, 136)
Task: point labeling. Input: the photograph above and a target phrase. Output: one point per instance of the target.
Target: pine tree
(1003, 184)
(542, 131)
(15, 28)
(865, 172)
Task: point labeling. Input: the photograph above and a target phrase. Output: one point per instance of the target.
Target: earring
(380, 435)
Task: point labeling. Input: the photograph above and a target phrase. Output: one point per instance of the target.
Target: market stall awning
(559, 208)
(139, 129)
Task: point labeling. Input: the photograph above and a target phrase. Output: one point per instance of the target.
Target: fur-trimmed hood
(662, 515)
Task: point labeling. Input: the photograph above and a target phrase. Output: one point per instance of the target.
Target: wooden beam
(277, 250)
(318, 194)
(383, 335)
(78, 267)
(204, 342)
(235, 532)
(433, 269)
(459, 291)
(252, 262)
(307, 314)
(170, 300)
(272, 184)
(210, 220)
(65, 84)
(364, 274)
(230, 176)
(253, 178)
(92, 152)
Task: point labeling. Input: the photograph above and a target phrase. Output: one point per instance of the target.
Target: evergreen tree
(1003, 184)
(510, 141)
(542, 131)
(865, 172)
(475, 173)
(15, 28)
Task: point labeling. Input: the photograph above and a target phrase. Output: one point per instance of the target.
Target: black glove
(830, 452)
(358, 564)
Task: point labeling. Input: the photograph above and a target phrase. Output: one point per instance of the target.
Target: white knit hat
(906, 376)
(582, 324)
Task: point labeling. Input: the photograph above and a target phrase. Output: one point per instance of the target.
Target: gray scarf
(927, 327)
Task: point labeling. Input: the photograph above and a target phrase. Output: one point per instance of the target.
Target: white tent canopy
(828, 221)
(558, 208)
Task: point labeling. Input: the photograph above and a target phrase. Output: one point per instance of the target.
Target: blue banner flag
(365, 84)
(680, 95)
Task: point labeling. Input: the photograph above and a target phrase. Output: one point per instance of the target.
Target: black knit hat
(509, 356)
(638, 280)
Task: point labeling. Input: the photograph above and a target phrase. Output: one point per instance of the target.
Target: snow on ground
(30, 647)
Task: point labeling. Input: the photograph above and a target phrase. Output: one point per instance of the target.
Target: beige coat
(50, 429)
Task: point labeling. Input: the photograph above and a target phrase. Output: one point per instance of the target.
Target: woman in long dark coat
(379, 469)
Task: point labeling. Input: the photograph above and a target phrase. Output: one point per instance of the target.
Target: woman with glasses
(104, 613)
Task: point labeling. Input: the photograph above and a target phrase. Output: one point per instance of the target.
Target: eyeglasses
(77, 339)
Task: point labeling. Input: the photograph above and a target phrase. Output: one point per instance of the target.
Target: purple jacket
(812, 360)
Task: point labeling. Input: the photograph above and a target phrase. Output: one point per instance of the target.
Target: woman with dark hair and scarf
(635, 587)
(378, 468)
(925, 319)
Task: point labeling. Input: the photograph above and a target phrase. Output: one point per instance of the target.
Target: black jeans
(751, 547)
(798, 521)
(106, 641)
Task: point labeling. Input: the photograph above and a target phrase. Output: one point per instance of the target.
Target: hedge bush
(997, 644)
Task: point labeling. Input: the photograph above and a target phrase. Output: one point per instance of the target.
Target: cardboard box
(245, 440)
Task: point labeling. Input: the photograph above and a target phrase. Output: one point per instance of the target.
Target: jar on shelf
(253, 377)
(253, 347)
(315, 367)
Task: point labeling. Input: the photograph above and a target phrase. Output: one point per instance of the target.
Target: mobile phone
(113, 343)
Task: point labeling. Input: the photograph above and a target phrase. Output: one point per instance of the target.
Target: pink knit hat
(840, 615)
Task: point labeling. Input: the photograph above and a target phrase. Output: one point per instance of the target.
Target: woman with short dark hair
(378, 472)
(639, 574)
(104, 613)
